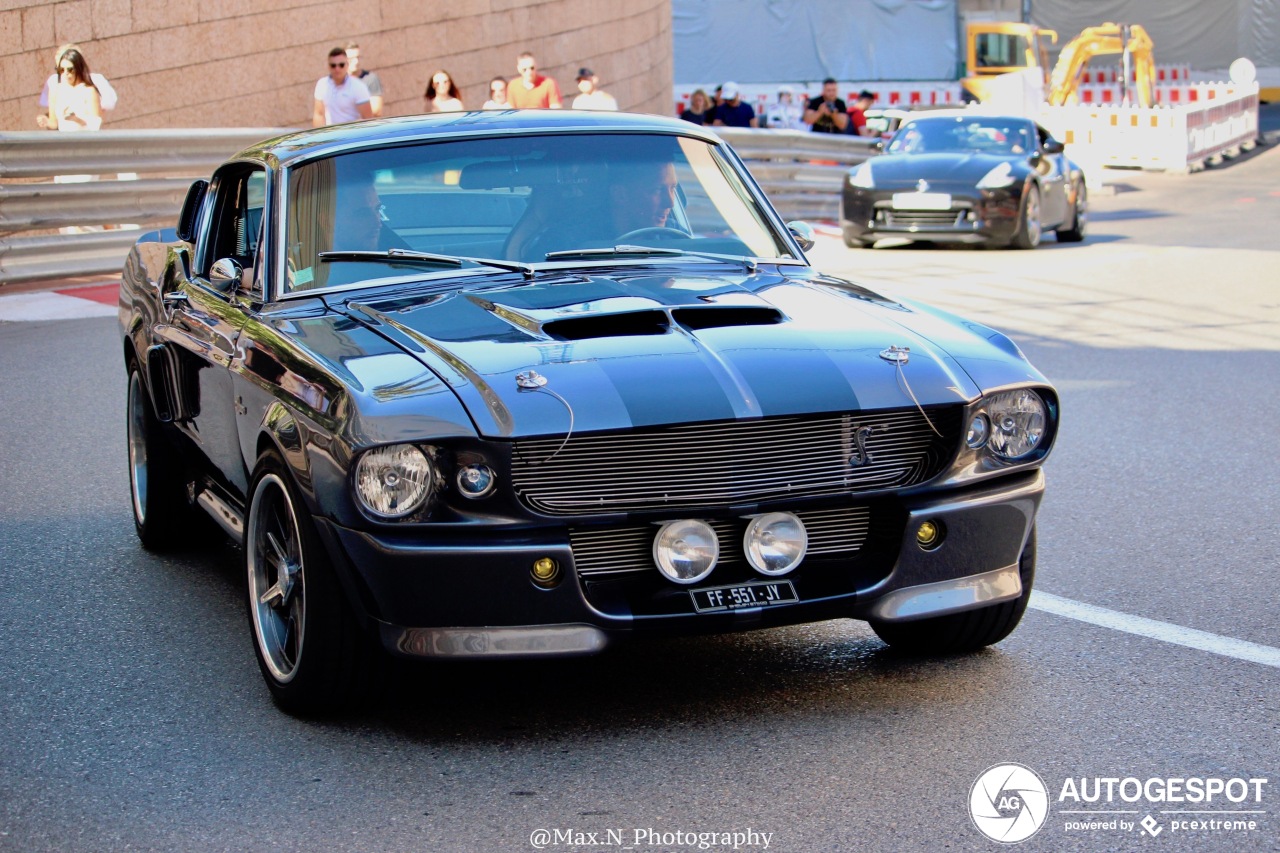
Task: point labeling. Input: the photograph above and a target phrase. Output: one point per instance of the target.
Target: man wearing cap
(591, 97)
(858, 115)
(732, 112)
(826, 113)
(784, 113)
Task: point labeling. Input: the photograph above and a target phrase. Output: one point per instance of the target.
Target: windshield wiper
(646, 251)
(410, 256)
(390, 255)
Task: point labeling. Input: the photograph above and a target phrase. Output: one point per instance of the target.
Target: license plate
(755, 594)
(921, 201)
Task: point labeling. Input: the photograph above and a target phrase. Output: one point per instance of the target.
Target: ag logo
(1009, 803)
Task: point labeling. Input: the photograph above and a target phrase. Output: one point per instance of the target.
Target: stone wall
(254, 63)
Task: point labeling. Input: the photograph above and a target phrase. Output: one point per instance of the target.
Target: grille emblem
(861, 456)
(922, 186)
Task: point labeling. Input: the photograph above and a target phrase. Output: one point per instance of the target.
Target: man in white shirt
(591, 97)
(340, 97)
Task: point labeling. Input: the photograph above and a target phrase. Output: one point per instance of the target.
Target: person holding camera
(827, 112)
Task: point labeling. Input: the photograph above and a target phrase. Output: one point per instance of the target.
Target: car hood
(634, 347)
(942, 170)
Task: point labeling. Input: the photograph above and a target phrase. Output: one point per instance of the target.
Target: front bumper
(471, 594)
(869, 215)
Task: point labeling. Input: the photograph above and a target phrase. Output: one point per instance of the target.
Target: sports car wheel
(968, 631)
(1079, 218)
(312, 654)
(161, 513)
(1029, 228)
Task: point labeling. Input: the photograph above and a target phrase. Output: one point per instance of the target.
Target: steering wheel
(655, 231)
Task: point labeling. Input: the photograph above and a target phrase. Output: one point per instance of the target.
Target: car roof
(320, 142)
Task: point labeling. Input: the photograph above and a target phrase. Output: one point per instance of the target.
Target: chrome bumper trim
(507, 642)
(951, 596)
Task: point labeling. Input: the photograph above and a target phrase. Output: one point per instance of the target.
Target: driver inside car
(643, 196)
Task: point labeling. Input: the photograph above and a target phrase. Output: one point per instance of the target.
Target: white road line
(1154, 629)
(45, 305)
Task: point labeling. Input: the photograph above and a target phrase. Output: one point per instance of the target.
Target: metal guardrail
(800, 172)
(168, 159)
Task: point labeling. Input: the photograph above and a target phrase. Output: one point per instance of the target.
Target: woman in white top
(497, 95)
(442, 95)
(74, 102)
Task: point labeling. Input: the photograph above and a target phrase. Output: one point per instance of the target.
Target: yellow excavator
(1000, 47)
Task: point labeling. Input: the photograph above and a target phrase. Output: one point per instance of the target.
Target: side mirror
(803, 232)
(225, 275)
(1053, 146)
(190, 210)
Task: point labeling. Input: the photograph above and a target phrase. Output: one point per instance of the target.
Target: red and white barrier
(888, 94)
(1214, 119)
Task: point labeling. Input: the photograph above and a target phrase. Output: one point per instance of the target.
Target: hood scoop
(658, 322)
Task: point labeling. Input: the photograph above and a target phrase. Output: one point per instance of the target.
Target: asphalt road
(132, 715)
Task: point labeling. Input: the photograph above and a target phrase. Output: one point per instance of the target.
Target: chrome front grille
(720, 465)
(603, 552)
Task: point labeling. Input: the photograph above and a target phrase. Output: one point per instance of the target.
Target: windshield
(515, 199)
(979, 135)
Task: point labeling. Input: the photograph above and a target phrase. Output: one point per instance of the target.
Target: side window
(235, 227)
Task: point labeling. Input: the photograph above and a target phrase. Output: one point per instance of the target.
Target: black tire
(1030, 227)
(960, 633)
(855, 243)
(1079, 217)
(162, 515)
(312, 654)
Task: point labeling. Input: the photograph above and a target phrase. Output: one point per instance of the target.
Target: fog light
(979, 429)
(929, 535)
(545, 570)
(686, 551)
(775, 543)
(476, 481)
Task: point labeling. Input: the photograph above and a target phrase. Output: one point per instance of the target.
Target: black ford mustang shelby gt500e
(967, 178)
(506, 384)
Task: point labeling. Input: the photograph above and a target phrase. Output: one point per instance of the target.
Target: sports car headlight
(998, 178)
(1017, 423)
(861, 177)
(393, 481)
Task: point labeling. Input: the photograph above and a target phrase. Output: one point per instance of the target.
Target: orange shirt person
(531, 90)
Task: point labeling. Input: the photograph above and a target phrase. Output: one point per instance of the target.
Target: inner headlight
(861, 177)
(1017, 422)
(775, 543)
(686, 551)
(393, 481)
(999, 177)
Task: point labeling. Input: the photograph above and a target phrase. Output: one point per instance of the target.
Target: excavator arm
(1129, 40)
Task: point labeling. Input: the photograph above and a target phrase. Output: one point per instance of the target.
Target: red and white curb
(73, 303)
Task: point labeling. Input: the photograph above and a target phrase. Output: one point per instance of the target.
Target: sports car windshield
(357, 216)
(963, 134)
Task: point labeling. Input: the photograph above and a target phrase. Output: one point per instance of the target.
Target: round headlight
(1017, 423)
(393, 481)
(686, 551)
(476, 481)
(775, 543)
(979, 429)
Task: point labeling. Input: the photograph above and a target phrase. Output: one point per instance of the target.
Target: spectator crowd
(75, 98)
(824, 113)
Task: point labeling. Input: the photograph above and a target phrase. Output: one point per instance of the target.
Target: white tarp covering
(1200, 33)
(758, 41)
